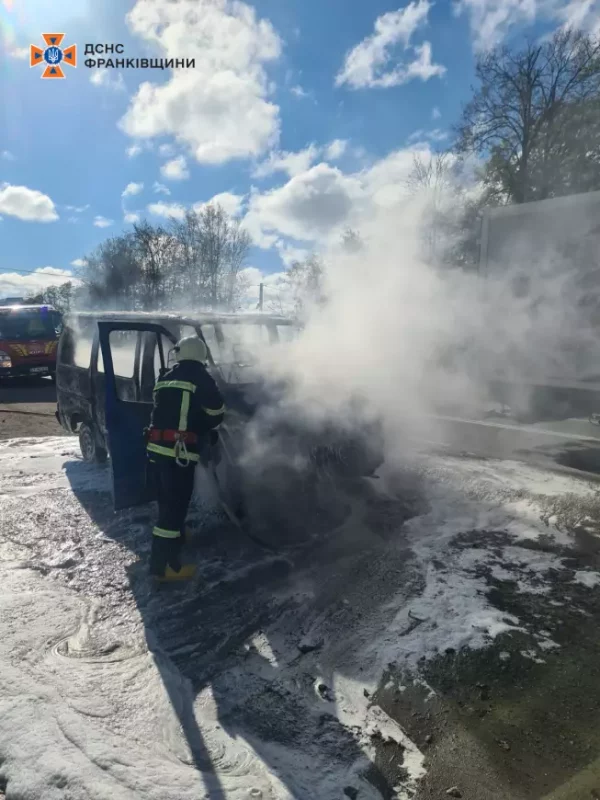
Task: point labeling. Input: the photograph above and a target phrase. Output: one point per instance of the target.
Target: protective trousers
(173, 488)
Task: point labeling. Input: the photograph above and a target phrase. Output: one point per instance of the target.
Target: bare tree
(197, 261)
(435, 179)
(188, 274)
(224, 249)
(432, 174)
(454, 195)
(113, 273)
(305, 284)
(211, 249)
(154, 252)
(352, 241)
(60, 296)
(520, 114)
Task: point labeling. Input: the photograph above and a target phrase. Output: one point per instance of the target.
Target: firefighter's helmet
(192, 348)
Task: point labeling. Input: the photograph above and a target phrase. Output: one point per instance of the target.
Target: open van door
(128, 403)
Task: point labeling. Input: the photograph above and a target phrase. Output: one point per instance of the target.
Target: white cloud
(20, 53)
(305, 208)
(166, 150)
(12, 284)
(26, 204)
(579, 14)
(169, 210)
(53, 272)
(175, 170)
(132, 189)
(78, 209)
(220, 109)
(6, 155)
(231, 203)
(160, 188)
(133, 151)
(79, 262)
(336, 149)
(102, 222)
(298, 91)
(9, 45)
(292, 163)
(435, 135)
(436, 113)
(253, 275)
(275, 287)
(370, 63)
(289, 253)
(385, 181)
(108, 80)
(316, 206)
(422, 67)
(491, 21)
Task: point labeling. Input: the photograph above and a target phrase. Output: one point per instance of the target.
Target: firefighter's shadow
(203, 632)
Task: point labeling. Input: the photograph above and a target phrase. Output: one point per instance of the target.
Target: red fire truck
(28, 340)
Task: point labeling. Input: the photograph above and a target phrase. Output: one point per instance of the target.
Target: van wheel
(90, 450)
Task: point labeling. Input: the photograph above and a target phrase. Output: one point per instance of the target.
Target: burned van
(108, 364)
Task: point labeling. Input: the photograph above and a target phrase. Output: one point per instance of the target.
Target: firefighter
(188, 406)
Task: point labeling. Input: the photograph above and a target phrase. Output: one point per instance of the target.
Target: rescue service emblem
(53, 55)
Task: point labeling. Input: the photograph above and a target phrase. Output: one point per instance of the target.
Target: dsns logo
(53, 55)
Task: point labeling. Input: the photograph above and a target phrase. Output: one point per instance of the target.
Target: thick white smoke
(405, 340)
(389, 336)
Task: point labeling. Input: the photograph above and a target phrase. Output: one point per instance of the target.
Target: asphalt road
(27, 409)
(567, 444)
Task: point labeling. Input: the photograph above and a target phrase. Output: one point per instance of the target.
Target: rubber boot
(165, 561)
(186, 573)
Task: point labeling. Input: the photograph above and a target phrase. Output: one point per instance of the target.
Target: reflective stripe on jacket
(186, 399)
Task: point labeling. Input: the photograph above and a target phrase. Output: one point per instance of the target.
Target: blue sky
(301, 116)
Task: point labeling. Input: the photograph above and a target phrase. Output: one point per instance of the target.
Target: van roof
(26, 307)
(165, 316)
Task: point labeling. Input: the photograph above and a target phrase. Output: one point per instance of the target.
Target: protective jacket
(187, 406)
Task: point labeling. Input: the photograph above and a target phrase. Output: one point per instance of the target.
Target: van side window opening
(243, 341)
(123, 350)
(83, 331)
(67, 347)
(210, 337)
(167, 345)
(186, 330)
(239, 346)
